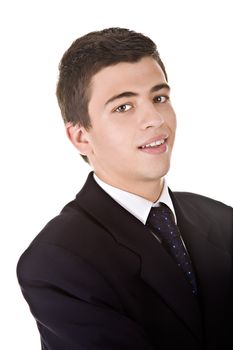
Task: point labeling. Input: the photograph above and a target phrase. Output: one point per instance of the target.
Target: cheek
(119, 134)
(108, 139)
(174, 124)
(171, 120)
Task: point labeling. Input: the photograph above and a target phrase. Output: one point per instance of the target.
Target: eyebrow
(130, 93)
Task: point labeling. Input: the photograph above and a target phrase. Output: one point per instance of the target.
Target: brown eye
(160, 99)
(123, 108)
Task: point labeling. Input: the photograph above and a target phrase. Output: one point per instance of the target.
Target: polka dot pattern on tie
(161, 221)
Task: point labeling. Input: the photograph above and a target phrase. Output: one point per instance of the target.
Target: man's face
(129, 110)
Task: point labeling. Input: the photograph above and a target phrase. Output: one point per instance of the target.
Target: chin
(157, 173)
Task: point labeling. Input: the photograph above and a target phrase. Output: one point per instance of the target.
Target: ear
(78, 135)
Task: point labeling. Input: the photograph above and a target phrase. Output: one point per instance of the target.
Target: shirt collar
(136, 205)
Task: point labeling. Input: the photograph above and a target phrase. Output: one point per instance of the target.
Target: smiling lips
(156, 145)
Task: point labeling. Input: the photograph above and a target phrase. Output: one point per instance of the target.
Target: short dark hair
(87, 56)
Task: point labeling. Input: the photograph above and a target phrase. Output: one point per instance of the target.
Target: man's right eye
(123, 108)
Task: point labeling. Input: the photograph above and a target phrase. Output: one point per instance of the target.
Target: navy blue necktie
(162, 223)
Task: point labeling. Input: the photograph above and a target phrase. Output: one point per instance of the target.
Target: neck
(150, 189)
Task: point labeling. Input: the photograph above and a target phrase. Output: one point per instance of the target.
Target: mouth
(155, 146)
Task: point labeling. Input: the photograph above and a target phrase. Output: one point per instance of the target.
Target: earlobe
(78, 135)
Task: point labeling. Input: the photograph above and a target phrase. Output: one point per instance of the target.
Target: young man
(128, 264)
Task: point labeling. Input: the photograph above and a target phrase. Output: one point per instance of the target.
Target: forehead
(140, 76)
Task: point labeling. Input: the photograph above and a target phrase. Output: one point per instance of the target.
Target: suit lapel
(211, 262)
(157, 267)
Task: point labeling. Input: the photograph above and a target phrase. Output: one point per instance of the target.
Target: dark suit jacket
(96, 278)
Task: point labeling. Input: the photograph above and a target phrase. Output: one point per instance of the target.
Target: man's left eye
(123, 108)
(160, 99)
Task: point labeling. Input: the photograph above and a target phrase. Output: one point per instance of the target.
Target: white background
(41, 171)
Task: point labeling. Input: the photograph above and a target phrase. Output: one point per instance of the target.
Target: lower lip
(155, 150)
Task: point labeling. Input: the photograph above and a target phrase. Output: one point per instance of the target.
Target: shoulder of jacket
(68, 225)
(198, 199)
(211, 209)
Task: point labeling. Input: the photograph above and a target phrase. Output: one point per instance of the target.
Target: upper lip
(153, 139)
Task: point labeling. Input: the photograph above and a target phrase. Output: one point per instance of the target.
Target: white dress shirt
(136, 205)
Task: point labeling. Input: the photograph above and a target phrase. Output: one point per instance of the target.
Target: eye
(123, 108)
(161, 99)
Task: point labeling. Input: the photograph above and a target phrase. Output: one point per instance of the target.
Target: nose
(151, 117)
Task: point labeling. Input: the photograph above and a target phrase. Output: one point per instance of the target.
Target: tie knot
(163, 212)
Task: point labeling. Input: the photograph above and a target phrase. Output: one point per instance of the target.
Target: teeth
(154, 144)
